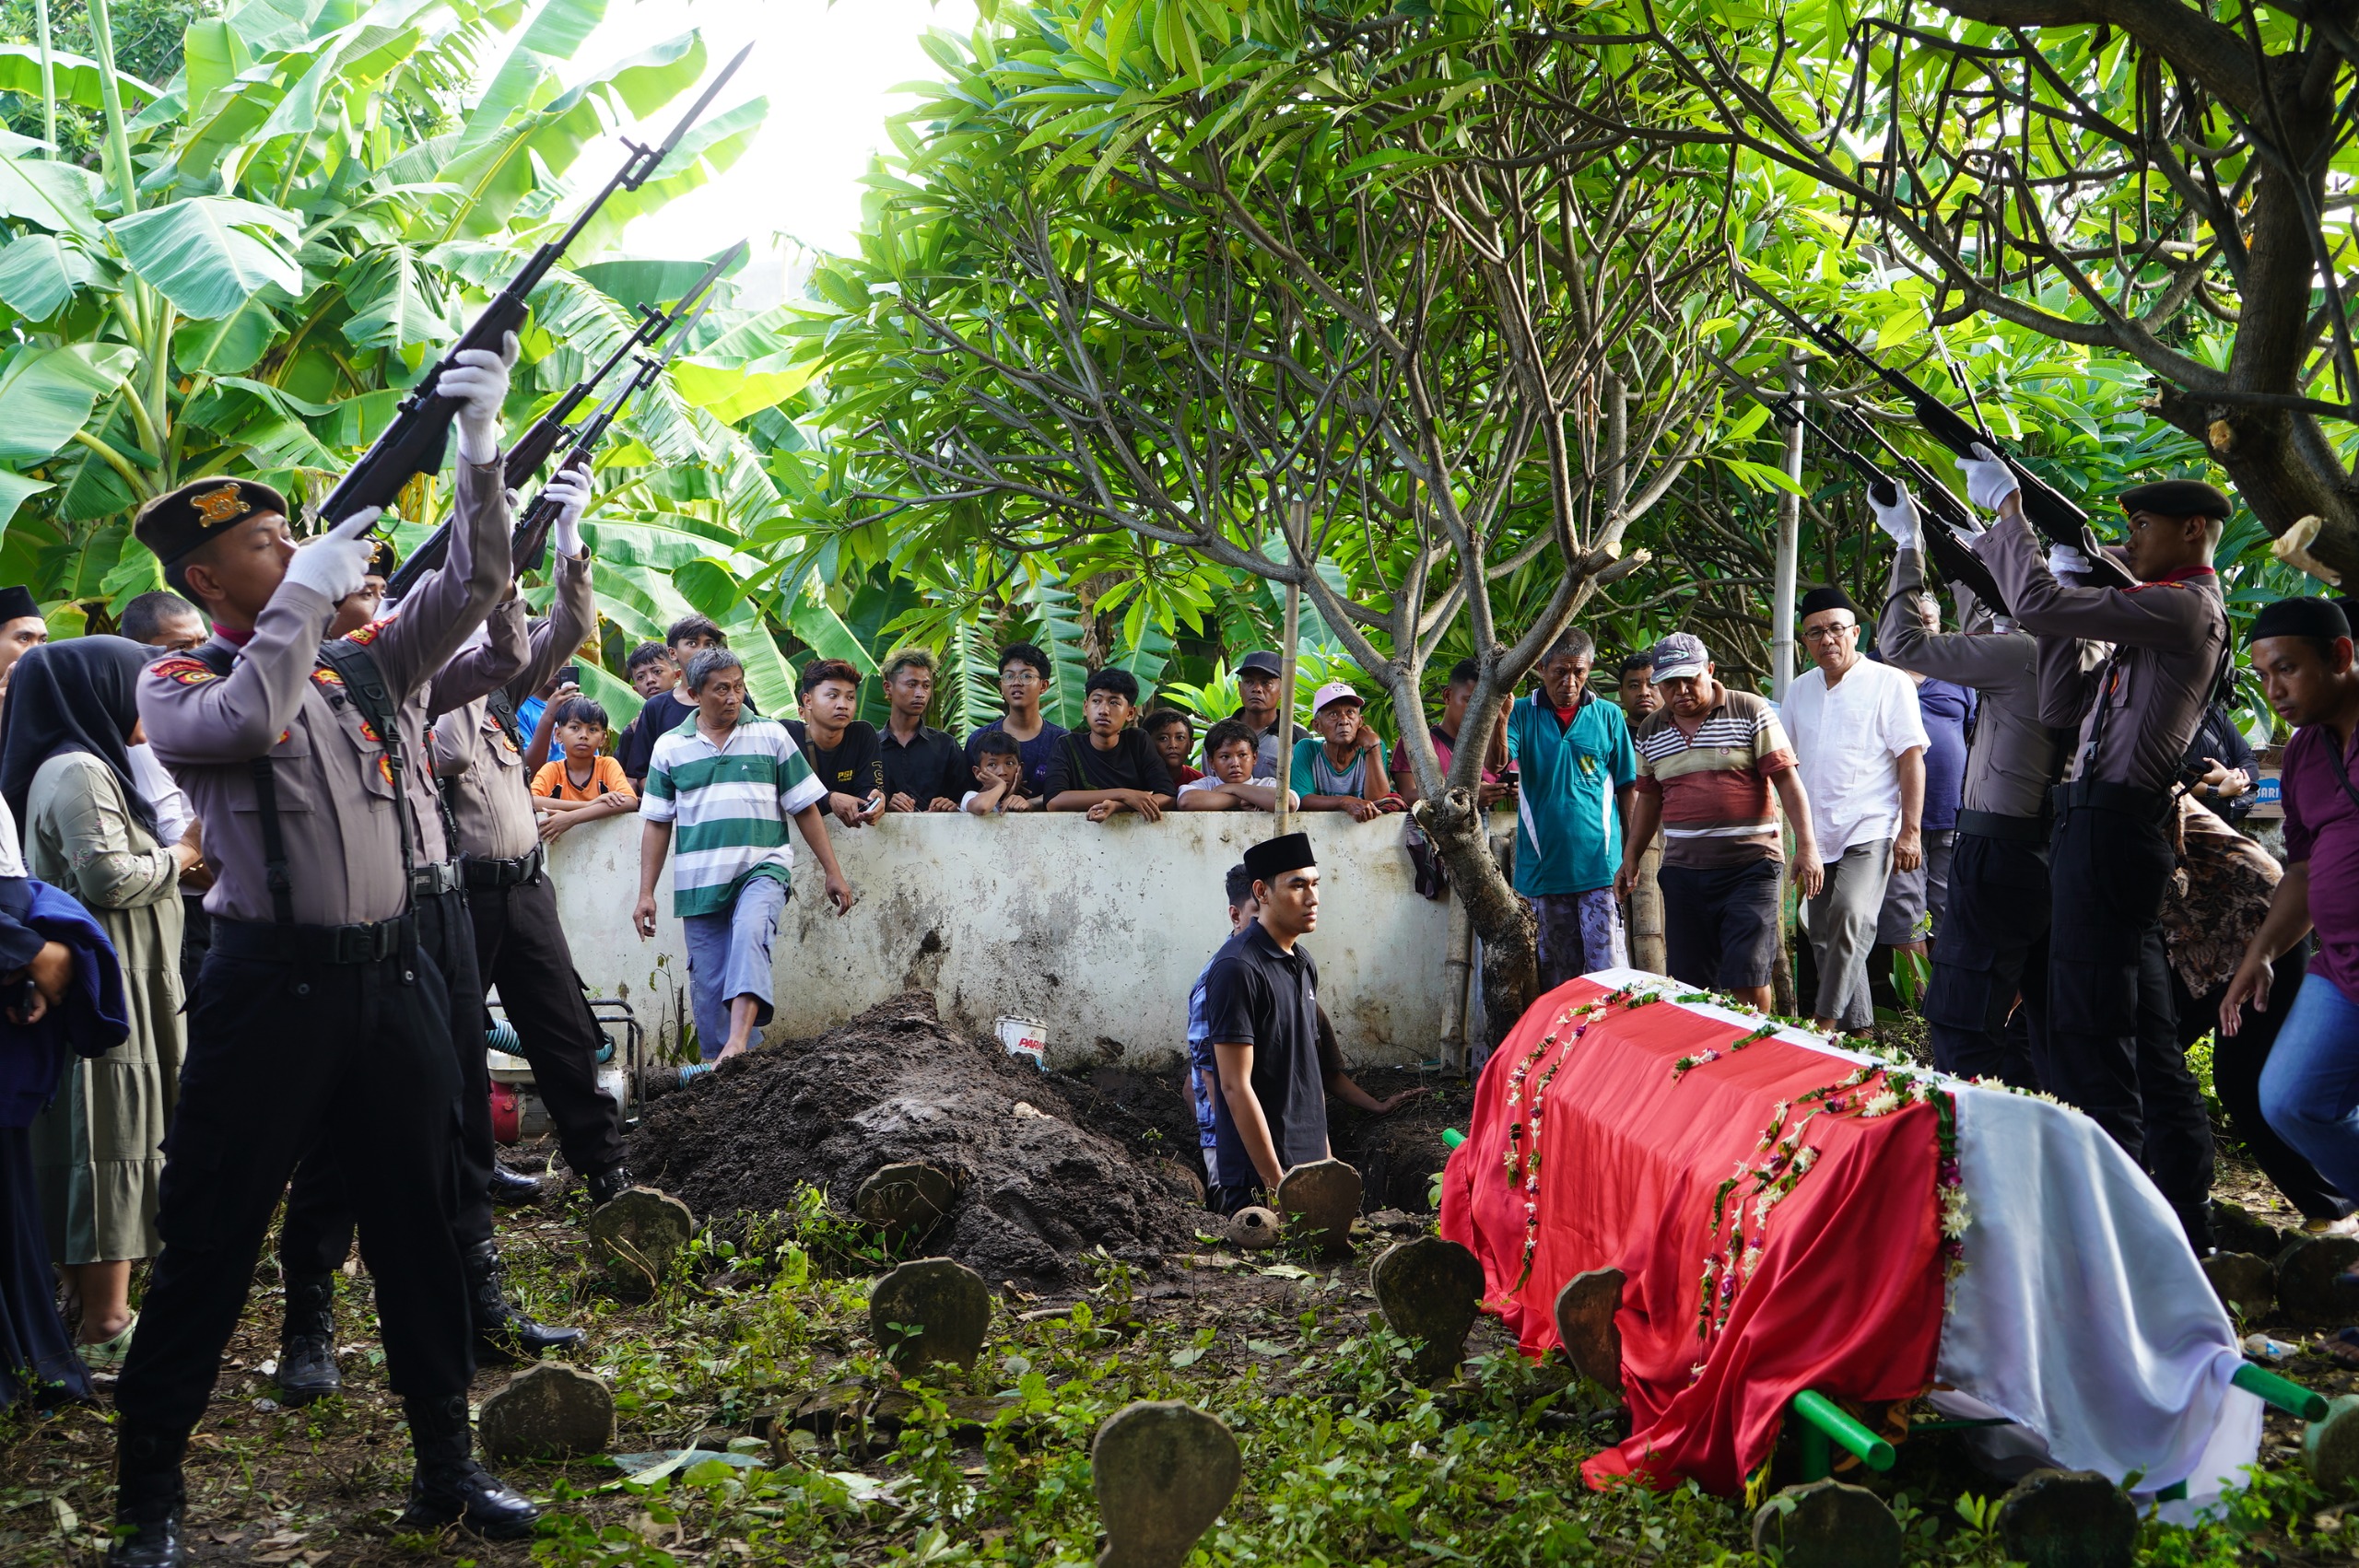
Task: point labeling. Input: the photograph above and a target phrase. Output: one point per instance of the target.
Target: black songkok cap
(2300, 618)
(179, 520)
(1273, 858)
(382, 559)
(15, 604)
(2177, 497)
(1819, 599)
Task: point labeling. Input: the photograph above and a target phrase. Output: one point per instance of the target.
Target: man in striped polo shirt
(729, 779)
(1707, 759)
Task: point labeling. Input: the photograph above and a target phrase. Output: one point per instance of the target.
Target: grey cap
(1263, 661)
(1681, 655)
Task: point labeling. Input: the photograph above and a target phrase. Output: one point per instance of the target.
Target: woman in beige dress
(97, 1150)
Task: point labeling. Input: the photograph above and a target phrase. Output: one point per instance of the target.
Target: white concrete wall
(1097, 929)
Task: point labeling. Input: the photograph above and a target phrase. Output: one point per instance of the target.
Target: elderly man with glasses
(1859, 743)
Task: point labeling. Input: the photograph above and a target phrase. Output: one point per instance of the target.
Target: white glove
(2063, 560)
(334, 564)
(1898, 519)
(569, 488)
(479, 381)
(1988, 482)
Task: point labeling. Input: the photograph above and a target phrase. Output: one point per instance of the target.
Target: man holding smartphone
(843, 751)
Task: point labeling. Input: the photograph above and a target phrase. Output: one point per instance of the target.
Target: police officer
(319, 1018)
(520, 943)
(2113, 1049)
(317, 1233)
(1994, 930)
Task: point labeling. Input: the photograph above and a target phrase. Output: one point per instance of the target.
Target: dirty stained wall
(1096, 930)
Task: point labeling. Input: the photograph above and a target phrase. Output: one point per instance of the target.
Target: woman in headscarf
(66, 772)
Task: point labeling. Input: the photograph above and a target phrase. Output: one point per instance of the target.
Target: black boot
(147, 1500)
(307, 1368)
(510, 1188)
(449, 1486)
(503, 1333)
(607, 1186)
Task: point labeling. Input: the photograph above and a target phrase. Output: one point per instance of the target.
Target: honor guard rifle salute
(2112, 1045)
(520, 943)
(1994, 934)
(319, 1018)
(317, 1233)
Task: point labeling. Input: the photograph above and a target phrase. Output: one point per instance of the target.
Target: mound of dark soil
(1036, 1188)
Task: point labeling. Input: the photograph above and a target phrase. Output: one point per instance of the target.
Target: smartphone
(569, 674)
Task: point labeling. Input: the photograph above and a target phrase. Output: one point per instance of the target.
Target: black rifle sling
(366, 685)
(503, 709)
(221, 659)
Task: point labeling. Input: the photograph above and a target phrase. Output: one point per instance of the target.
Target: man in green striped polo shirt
(725, 782)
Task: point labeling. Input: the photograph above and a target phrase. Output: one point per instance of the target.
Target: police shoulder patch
(370, 632)
(185, 670)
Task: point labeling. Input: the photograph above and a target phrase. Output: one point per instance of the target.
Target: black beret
(2300, 618)
(15, 604)
(1272, 858)
(382, 559)
(178, 520)
(1819, 599)
(2177, 497)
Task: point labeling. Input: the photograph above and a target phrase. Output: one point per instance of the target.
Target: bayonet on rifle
(415, 441)
(529, 547)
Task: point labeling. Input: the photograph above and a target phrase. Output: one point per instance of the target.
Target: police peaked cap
(2177, 497)
(179, 522)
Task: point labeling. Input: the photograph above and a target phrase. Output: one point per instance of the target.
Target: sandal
(107, 1355)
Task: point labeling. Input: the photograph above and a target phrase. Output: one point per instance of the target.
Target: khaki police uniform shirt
(491, 797)
(2013, 759)
(2167, 639)
(334, 780)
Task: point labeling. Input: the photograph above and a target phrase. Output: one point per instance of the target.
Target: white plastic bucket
(1026, 1039)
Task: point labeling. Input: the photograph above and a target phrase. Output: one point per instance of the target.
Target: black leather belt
(2006, 829)
(2097, 794)
(482, 870)
(432, 882)
(275, 943)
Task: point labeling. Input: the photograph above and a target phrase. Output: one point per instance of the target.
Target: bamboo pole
(1298, 519)
(1789, 531)
(48, 78)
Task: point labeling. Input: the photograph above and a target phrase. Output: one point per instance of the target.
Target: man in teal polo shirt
(1579, 776)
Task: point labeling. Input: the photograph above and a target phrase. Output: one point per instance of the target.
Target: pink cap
(1334, 691)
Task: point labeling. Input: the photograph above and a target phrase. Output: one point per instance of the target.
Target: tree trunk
(1500, 915)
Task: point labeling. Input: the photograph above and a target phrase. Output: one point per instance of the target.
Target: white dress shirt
(172, 812)
(1847, 740)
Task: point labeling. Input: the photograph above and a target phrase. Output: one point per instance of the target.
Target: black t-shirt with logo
(854, 766)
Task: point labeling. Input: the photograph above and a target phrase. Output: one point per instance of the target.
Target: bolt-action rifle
(531, 450)
(414, 443)
(2053, 513)
(530, 547)
(1948, 519)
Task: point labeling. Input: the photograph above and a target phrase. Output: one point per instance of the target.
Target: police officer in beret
(316, 1235)
(520, 944)
(2129, 669)
(319, 1018)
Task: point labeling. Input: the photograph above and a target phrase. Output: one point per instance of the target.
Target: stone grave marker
(1164, 1472)
(905, 1201)
(2241, 1278)
(1826, 1524)
(1585, 1310)
(549, 1410)
(2305, 1274)
(946, 1302)
(1322, 1199)
(2069, 1519)
(636, 1234)
(1430, 1290)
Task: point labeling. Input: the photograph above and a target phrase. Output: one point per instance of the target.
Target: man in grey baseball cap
(1707, 759)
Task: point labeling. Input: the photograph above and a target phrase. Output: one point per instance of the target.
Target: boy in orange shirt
(583, 784)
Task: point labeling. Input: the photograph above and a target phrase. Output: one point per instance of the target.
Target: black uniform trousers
(2236, 1061)
(1993, 949)
(521, 948)
(2113, 1046)
(278, 1050)
(316, 1236)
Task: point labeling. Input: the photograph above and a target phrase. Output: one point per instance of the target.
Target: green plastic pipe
(2287, 1395)
(1451, 1138)
(1827, 1417)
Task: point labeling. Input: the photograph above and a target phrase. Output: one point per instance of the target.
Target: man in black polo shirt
(924, 769)
(1262, 1017)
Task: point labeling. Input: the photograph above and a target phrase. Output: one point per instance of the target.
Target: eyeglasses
(1019, 678)
(1826, 634)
